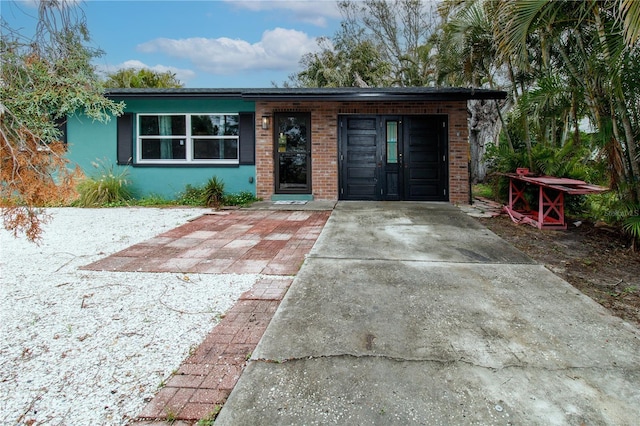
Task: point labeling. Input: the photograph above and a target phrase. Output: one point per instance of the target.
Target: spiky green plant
(213, 192)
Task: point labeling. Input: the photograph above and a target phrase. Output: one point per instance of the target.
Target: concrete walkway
(413, 313)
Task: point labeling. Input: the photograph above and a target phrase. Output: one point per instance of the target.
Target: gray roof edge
(319, 94)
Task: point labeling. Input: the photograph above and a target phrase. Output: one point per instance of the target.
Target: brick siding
(324, 142)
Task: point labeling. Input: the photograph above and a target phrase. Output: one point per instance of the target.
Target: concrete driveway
(413, 313)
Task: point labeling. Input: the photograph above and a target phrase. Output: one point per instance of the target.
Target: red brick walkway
(242, 242)
(208, 375)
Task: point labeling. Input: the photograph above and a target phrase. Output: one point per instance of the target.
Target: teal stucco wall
(92, 143)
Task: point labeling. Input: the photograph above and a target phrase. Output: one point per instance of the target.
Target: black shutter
(247, 138)
(125, 138)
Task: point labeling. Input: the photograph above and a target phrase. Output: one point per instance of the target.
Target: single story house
(288, 144)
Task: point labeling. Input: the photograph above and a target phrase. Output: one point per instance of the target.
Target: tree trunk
(503, 126)
(527, 137)
(484, 127)
(631, 150)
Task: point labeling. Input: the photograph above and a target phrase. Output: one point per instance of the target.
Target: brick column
(264, 154)
(458, 154)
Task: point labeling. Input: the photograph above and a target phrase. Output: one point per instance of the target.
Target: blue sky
(206, 43)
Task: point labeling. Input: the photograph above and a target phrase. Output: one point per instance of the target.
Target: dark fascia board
(373, 94)
(174, 93)
(316, 94)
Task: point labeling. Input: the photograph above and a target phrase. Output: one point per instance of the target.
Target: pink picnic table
(551, 193)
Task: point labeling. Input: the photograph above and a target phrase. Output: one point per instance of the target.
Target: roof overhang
(316, 94)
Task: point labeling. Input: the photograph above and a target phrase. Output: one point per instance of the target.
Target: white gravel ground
(83, 347)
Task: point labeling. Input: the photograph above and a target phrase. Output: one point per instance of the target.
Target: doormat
(290, 202)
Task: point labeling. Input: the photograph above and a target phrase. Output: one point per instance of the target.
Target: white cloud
(184, 75)
(314, 12)
(279, 49)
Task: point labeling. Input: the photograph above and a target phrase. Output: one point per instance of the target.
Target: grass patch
(482, 190)
(155, 200)
(171, 416)
(211, 417)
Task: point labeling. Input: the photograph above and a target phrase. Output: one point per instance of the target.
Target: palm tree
(584, 42)
(467, 56)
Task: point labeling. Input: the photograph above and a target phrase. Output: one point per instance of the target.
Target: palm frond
(630, 12)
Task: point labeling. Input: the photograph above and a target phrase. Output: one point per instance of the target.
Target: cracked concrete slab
(377, 391)
(412, 313)
(489, 315)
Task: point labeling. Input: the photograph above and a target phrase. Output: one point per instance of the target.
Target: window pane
(392, 142)
(214, 125)
(163, 149)
(215, 149)
(292, 133)
(163, 125)
(293, 171)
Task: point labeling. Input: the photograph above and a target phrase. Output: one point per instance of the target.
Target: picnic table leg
(510, 194)
(517, 194)
(540, 207)
(551, 209)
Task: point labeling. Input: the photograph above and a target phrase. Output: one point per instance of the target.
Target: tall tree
(400, 30)
(347, 64)
(381, 43)
(467, 57)
(142, 78)
(44, 78)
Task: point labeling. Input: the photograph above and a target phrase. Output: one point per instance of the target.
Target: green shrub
(213, 192)
(107, 189)
(242, 198)
(212, 195)
(567, 161)
(192, 196)
(616, 210)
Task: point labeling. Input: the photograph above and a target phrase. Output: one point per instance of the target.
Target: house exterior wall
(92, 143)
(324, 140)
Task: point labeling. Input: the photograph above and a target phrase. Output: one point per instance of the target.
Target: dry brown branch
(33, 175)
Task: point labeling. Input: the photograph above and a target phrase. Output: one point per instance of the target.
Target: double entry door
(393, 157)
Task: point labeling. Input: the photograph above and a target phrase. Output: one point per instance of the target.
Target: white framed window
(209, 138)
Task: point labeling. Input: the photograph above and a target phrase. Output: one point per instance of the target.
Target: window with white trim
(188, 138)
